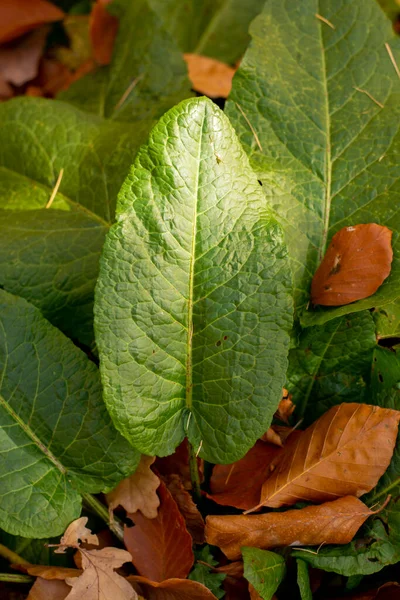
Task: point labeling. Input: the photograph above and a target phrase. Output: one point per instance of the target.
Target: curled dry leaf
(172, 589)
(19, 16)
(194, 521)
(137, 492)
(48, 572)
(48, 590)
(209, 76)
(19, 62)
(285, 408)
(75, 533)
(103, 28)
(272, 437)
(344, 452)
(161, 548)
(357, 262)
(331, 523)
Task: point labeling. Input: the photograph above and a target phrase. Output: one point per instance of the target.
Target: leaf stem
(194, 473)
(12, 556)
(15, 578)
(101, 511)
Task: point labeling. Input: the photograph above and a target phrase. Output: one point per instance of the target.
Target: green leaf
(303, 580)
(193, 304)
(326, 152)
(264, 570)
(331, 364)
(146, 77)
(203, 574)
(391, 8)
(56, 438)
(387, 320)
(39, 138)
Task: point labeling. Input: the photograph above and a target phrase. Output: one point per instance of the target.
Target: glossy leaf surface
(192, 305)
(264, 570)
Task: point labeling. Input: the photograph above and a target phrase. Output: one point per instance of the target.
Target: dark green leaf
(56, 437)
(303, 580)
(387, 320)
(203, 574)
(317, 107)
(193, 303)
(264, 570)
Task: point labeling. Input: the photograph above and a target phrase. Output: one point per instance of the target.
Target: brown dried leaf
(99, 580)
(209, 76)
(48, 590)
(76, 532)
(194, 521)
(344, 452)
(285, 408)
(48, 572)
(177, 464)
(357, 262)
(137, 492)
(103, 28)
(161, 548)
(172, 589)
(331, 523)
(272, 437)
(19, 16)
(254, 595)
(19, 62)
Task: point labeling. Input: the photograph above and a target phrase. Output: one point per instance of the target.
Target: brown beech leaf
(103, 27)
(19, 62)
(357, 262)
(331, 523)
(178, 464)
(285, 408)
(254, 595)
(137, 492)
(272, 437)
(48, 590)
(171, 589)
(161, 548)
(209, 76)
(194, 521)
(344, 452)
(19, 16)
(76, 532)
(49, 572)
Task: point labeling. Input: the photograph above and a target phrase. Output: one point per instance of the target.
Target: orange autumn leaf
(194, 521)
(357, 262)
(19, 16)
(161, 548)
(48, 590)
(285, 408)
(209, 76)
(49, 572)
(272, 437)
(103, 27)
(171, 589)
(137, 492)
(178, 464)
(331, 523)
(344, 452)
(239, 484)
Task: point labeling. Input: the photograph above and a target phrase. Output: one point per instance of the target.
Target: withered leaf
(209, 76)
(137, 492)
(285, 408)
(50, 572)
(75, 533)
(272, 437)
(172, 589)
(331, 523)
(357, 262)
(344, 452)
(194, 521)
(103, 27)
(177, 464)
(19, 16)
(161, 548)
(48, 590)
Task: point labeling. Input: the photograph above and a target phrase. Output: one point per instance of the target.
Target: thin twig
(392, 58)
(14, 578)
(229, 474)
(55, 189)
(194, 473)
(101, 511)
(250, 125)
(369, 96)
(12, 556)
(331, 25)
(128, 90)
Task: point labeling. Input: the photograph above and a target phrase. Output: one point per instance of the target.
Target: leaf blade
(264, 570)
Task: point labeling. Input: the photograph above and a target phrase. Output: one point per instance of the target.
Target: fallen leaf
(48, 590)
(103, 28)
(161, 548)
(264, 570)
(178, 464)
(272, 437)
(19, 62)
(53, 76)
(172, 589)
(137, 492)
(344, 452)
(193, 519)
(49, 572)
(331, 523)
(76, 531)
(285, 408)
(6, 90)
(357, 262)
(254, 595)
(99, 580)
(209, 76)
(387, 591)
(19, 16)
(240, 483)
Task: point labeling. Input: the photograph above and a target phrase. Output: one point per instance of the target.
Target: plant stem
(101, 511)
(14, 578)
(194, 473)
(12, 556)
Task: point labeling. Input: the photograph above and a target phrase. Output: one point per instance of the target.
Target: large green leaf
(193, 304)
(264, 570)
(56, 438)
(50, 257)
(331, 364)
(317, 107)
(146, 77)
